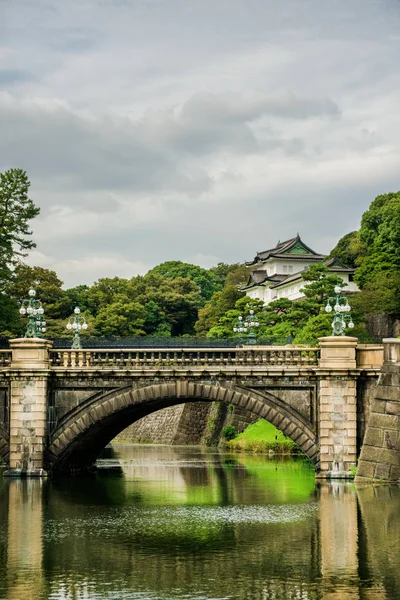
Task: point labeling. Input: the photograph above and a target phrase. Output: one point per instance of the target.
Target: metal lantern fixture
(35, 311)
(240, 329)
(249, 324)
(341, 308)
(76, 323)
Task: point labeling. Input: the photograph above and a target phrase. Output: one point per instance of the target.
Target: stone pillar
(337, 406)
(380, 452)
(28, 406)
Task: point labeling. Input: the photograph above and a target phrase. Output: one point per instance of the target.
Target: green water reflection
(185, 523)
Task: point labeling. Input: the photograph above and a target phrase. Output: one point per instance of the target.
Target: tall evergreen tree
(16, 210)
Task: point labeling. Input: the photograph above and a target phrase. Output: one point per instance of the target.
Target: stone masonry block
(100, 411)
(325, 399)
(278, 420)
(378, 406)
(291, 427)
(338, 402)
(326, 448)
(386, 392)
(349, 458)
(389, 375)
(140, 395)
(296, 435)
(229, 396)
(240, 399)
(205, 391)
(325, 433)
(327, 423)
(383, 421)
(351, 401)
(382, 471)
(213, 392)
(393, 408)
(391, 439)
(374, 437)
(86, 421)
(365, 468)
(325, 408)
(394, 473)
(339, 419)
(164, 390)
(307, 445)
(265, 412)
(381, 455)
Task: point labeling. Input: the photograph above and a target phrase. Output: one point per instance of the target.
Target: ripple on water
(142, 521)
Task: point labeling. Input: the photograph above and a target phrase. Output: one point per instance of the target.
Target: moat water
(175, 523)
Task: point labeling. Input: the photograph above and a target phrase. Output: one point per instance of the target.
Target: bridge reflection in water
(195, 524)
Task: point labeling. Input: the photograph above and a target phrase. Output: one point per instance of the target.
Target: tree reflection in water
(197, 524)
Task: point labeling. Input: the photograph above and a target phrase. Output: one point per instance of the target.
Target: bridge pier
(28, 406)
(337, 406)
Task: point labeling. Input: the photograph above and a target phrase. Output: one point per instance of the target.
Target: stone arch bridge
(59, 408)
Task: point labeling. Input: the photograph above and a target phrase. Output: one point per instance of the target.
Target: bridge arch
(87, 429)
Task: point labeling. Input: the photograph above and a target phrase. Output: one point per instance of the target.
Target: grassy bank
(263, 437)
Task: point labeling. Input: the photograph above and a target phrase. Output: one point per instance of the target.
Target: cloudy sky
(196, 130)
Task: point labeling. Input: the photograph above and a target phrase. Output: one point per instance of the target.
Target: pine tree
(16, 209)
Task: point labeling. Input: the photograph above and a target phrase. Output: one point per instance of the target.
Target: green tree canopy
(380, 236)
(231, 274)
(378, 273)
(348, 250)
(16, 210)
(207, 281)
(319, 286)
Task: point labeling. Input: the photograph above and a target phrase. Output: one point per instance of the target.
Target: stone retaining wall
(380, 453)
(187, 424)
(158, 428)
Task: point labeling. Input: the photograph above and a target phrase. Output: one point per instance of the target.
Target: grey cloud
(14, 76)
(152, 154)
(249, 107)
(209, 123)
(90, 153)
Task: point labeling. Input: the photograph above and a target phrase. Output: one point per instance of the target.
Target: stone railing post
(337, 406)
(28, 406)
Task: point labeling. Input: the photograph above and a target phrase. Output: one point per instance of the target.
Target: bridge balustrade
(183, 357)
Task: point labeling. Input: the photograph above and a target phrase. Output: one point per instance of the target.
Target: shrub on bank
(229, 433)
(262, 437)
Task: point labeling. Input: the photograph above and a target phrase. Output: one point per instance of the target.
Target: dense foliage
(376, 251)
(178, 299)
(16, 210)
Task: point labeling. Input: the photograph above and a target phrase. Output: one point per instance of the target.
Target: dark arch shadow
(4, 445)
(88, 428)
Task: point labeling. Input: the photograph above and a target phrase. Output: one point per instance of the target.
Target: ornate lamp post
(342, 310)
(77, 322)
(240, 328)
(35, 311)
(249, 324)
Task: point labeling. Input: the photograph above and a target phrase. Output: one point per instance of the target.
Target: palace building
(277, 272)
